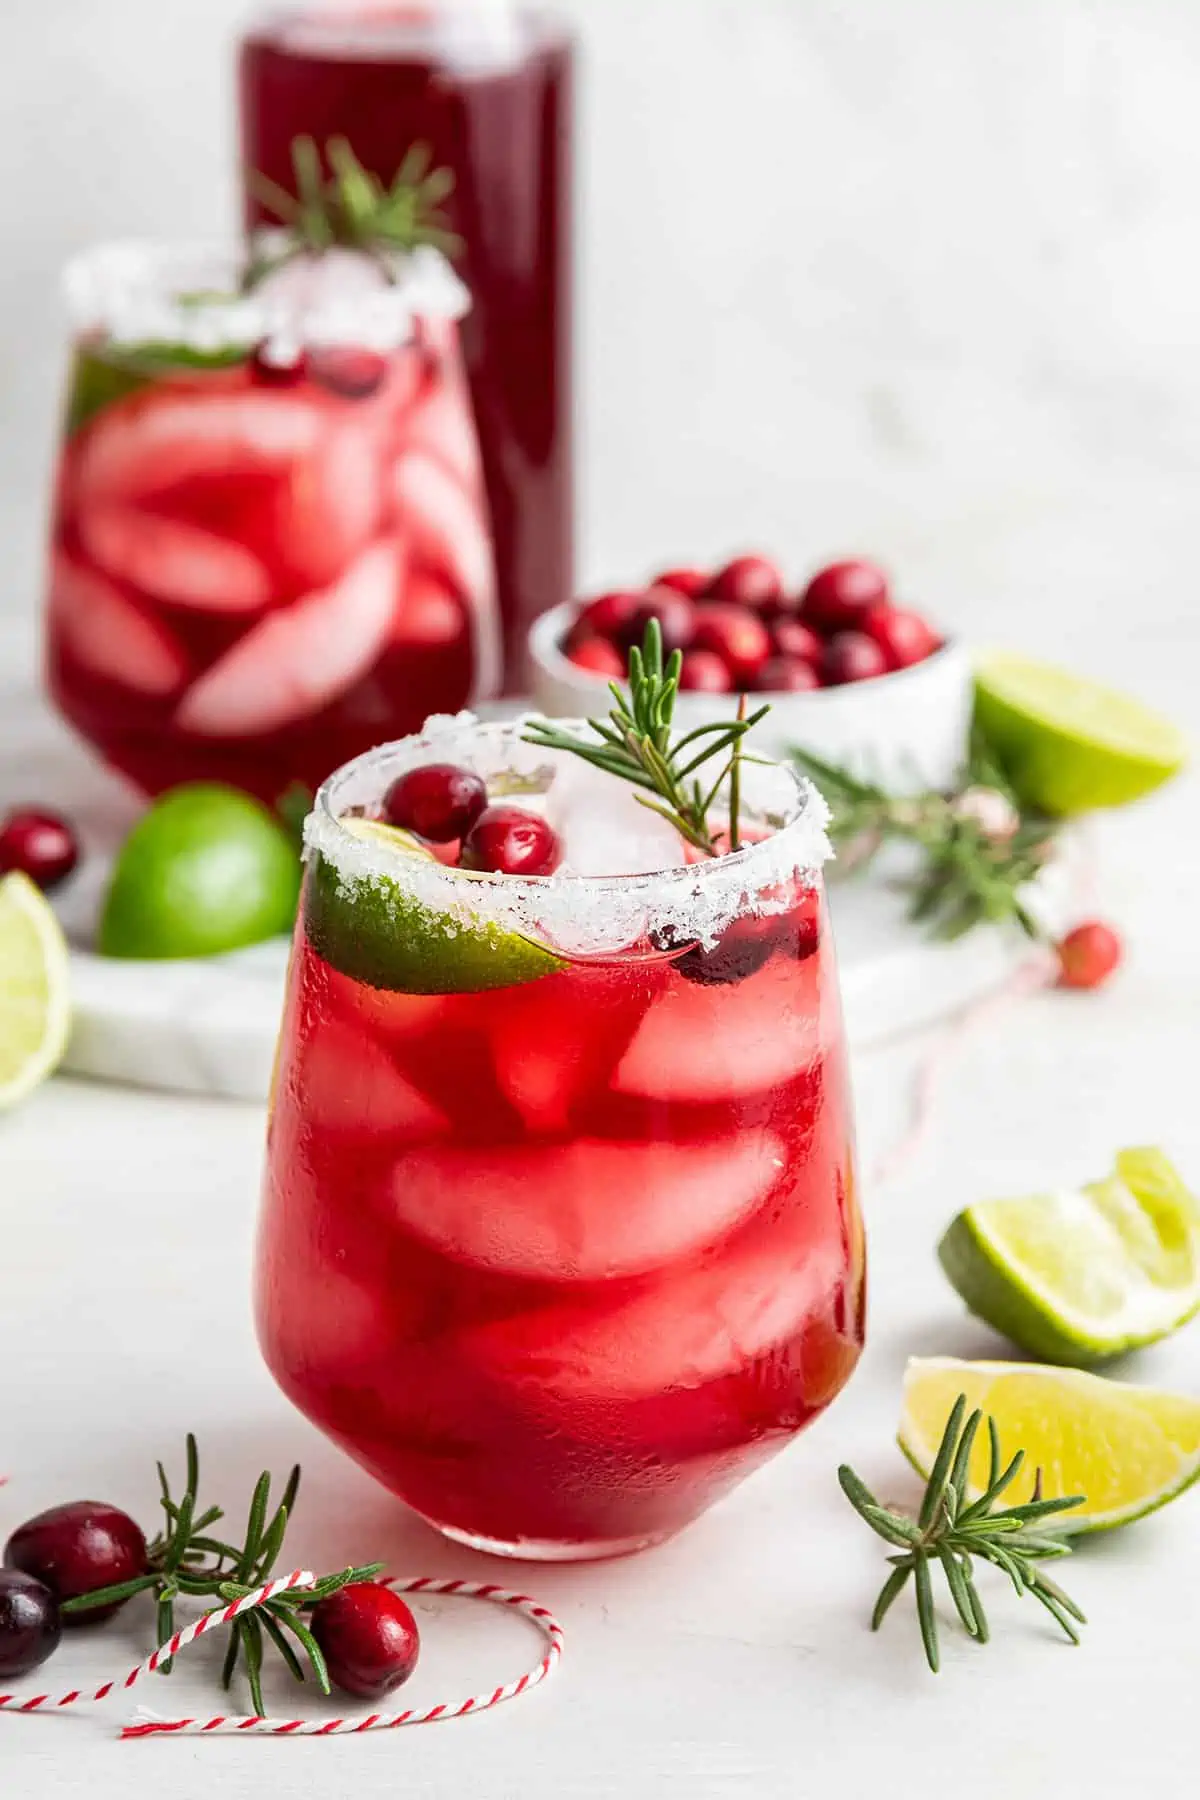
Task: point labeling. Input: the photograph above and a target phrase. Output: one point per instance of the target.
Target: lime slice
(1127, 1449)
(35, 1007)
(98, 377)
(1080, 1277)
(207, 869)
(370, 929)
(1069, 745)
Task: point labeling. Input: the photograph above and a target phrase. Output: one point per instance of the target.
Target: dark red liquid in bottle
(500, 118)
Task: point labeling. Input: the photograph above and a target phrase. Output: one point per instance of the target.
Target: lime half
(1080, 1277)
(1127, 1449)
(371, 929)
(1069, 745)
(206, 869)
(35, 1008)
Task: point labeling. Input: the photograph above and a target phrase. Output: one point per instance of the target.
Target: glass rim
(185, 292)
(699, 899)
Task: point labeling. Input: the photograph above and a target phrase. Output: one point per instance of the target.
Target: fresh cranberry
(510, 841)
(266, 372)
(792, 637)
(30, 1623)
(38, 844)
(368, 1637)
(605, 616)
(438, 801)
(691, 583)
(599, 657)
(76, 1549)
(749, 581)
(904, 637)
(1088, 955)
(704, 672)
(851, 656)
(750, 942)
(736, 635)
(786, 675)
(676, 619)
(347, 370)
(839, 597)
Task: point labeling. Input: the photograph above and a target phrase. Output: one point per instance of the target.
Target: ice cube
(605, 830)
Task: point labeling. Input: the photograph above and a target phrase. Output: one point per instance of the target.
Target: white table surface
(735, 1660)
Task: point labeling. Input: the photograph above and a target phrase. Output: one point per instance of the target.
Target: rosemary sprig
(353, 209)
(186, 1559)
(635, 744)
(952, 1532)
(973, 872)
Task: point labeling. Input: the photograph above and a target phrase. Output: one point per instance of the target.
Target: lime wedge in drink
(371, 929)
(1081, 1276)
(1128, 1450)
(35, 1008)
(99, 377)
(1069, 745)
(206, 869)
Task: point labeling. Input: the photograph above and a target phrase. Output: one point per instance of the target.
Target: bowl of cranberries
(851, 673)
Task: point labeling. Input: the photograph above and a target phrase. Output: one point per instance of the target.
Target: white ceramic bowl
(907, 730)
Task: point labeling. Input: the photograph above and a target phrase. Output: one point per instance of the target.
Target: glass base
(548, 1549)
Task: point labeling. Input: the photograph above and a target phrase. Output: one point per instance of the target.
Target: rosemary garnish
(635, 744)
(951, 1531)
(979, 849)
(353, 209)
(186, 1559)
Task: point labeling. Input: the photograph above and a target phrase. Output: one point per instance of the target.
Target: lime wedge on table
(206, 869)
(371, 929)
(1127, 1449)
(35, 1010)
(1079, 1277)
(1070, 745)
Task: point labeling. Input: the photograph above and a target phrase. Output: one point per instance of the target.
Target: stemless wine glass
(560, 1237)
(270, 540)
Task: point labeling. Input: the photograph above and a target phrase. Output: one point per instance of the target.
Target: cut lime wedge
(35, 1009)
(1069, 745)
(100, 377)
(1080, 1277)
(372, 930)
(1127, 1449)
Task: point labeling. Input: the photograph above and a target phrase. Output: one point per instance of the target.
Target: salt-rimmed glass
(270, 545)
(560, 1237)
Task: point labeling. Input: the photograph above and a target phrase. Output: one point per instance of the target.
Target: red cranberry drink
(560, 1237)
(270, 541)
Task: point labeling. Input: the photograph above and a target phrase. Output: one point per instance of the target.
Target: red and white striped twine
(149, 1725)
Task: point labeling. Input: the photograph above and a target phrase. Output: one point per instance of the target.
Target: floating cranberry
(37, 844)
(30, 1624)
(76, 1549)
(851, 656)
(904, 637)
(839, 597)
(736, 635)
(267, 372)
(605, 616)
(786, 675)
(1088, 955)
(676, 619)
(691, 583)
(510, 841)
(438, 801)
(704, 672)
(745, 946)
(368, 1637)
(347, 370)
(792, 637)
(749, 581)
(599, 657)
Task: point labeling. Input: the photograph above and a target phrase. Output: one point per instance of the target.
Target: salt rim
(132, 291)
(581, 915)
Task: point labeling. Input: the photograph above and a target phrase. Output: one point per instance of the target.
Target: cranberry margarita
(560, 1237)
(270, 542)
